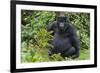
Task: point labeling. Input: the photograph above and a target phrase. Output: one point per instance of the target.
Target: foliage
(34, 37)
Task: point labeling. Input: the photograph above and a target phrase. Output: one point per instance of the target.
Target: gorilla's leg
(54, 51)
(69, 52)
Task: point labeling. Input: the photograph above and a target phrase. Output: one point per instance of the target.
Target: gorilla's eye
(61, 24)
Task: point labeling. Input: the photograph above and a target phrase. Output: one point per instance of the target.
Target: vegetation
(34, 37)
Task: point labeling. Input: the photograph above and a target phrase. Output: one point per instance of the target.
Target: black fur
(65, 39)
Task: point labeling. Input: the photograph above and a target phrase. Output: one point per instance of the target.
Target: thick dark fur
(65, 39)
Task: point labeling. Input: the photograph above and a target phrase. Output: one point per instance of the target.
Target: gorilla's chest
(61, 41)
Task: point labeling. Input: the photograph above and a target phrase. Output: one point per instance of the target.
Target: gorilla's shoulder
(72, 29)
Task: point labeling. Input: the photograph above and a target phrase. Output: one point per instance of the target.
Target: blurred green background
(34, 37)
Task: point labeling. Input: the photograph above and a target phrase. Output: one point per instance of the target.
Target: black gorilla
(65, 39)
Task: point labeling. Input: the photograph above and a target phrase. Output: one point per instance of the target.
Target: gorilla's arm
(75, 41)
(52, 27)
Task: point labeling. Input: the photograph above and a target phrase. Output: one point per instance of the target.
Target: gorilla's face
(61, 26)
(62, 23)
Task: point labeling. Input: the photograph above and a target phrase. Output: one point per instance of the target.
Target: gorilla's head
(62, 23)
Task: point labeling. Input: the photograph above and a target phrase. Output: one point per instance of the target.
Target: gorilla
(65, 39)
